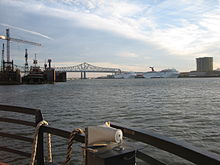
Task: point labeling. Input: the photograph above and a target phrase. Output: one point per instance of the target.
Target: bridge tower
(83, 75)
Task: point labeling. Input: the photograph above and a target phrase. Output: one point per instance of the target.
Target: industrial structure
(38, 75)
(33, 74)
(9, 75)
(204, 64)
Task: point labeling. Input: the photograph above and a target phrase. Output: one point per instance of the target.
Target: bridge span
(86, 67)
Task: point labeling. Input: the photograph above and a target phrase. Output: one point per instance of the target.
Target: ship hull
(10, 78)
(126, 75)
(162, 74)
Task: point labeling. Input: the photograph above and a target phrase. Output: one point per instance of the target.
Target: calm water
(184, 109)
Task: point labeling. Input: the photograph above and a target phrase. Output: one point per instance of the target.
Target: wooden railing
(180, 149)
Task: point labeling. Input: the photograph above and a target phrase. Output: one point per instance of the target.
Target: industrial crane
(8, 38)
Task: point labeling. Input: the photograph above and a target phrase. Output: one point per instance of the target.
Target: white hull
(125, 75)
(167, 73)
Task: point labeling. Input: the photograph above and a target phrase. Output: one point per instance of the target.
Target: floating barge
(110, 156)
(9, 76)
(36, 76)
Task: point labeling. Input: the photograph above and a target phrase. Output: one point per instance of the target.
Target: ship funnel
(49, 61)
(152, 68)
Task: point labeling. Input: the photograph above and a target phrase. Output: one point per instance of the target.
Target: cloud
(181, 27)
(113, 16)
(25, 30)
(128, 55)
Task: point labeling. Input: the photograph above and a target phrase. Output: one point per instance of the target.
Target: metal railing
(44, 129)
(180, 149)
(38, 117)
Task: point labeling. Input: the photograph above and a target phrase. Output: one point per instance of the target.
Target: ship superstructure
(166, 73)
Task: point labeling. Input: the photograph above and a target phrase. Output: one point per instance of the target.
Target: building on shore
(204, 68)
(204, 64)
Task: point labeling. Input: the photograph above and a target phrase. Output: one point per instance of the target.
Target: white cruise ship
(166, 73)
(125, 75)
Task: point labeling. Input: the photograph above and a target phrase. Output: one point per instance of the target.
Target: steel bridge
(85, 67)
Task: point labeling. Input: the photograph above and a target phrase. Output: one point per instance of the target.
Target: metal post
(12, 65)
(40, 143)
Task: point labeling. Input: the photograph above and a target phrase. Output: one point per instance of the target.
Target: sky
(128, 34)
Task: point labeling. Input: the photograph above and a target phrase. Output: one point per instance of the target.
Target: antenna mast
(3, 56)
(35, 60)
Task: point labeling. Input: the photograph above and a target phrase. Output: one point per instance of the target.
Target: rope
(69, 148)
(50, 159)
(70, 143)
(34, 145)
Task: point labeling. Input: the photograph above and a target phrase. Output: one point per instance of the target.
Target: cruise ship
(166, 73)
(125, 75)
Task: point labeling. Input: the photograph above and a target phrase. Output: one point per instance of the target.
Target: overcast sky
(127, 34)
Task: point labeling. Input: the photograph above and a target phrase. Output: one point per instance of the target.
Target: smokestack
(49, 61)
(45, 66)
(26, 62)
(26, 52)
(8, 44)
(3, 51)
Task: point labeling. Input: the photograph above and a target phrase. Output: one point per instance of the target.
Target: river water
(183, 109)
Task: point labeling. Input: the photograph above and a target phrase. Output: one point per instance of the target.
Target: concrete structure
(60, 76)
(204, 64)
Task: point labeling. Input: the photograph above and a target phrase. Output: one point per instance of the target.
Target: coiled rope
(70, 143)
(34, 145)
(69, 148)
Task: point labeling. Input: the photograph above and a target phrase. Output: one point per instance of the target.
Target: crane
(8, 38)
